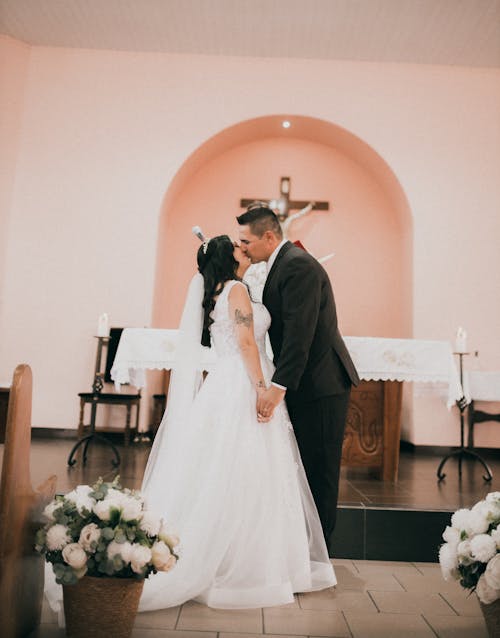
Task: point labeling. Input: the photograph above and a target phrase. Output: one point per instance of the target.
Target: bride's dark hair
(217, 265)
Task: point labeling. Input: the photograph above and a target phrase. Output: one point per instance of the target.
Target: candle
(103, 325)
(461, 340)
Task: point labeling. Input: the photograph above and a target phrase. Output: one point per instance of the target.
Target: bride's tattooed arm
(244, 318)
(240, 310)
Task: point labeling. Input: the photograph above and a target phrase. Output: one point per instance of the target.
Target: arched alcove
(369, 225)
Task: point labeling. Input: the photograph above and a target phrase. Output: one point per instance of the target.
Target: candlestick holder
(97, 387)
(463, 451)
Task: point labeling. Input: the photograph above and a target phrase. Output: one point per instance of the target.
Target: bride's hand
(268, 400)
(264, 419)
(260, 417)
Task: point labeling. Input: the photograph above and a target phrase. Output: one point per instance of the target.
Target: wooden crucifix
(283, 205)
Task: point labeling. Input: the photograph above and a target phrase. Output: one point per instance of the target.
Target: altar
(374, 416)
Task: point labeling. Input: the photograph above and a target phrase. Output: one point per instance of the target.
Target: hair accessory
(196, 230)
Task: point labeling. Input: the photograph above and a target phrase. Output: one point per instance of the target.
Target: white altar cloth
(378, 359)
(426, 362)
(142, 349)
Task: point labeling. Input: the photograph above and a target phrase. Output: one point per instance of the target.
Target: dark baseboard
(71, 433)
(53, 433)
(405, 446)
(443, 450)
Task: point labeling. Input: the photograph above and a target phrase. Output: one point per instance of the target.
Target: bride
(231, 483)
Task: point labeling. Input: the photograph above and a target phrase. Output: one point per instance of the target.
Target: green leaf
(40, 537)
(131, 534)
(58, 569)
(120, 537)
(114, 516)
(118, 563)
(61, 517)
(108, 533)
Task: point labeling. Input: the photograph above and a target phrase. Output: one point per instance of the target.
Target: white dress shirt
(274, 254)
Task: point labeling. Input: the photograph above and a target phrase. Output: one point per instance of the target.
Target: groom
(313, 366)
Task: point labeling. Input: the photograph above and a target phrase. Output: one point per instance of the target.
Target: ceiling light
(285, 124)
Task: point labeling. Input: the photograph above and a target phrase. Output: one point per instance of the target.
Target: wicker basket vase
(101, 607)
(491, 615)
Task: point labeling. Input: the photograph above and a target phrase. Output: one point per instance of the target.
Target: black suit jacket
(310, 356)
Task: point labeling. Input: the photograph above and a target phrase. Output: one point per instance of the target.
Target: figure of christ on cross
(283, 205)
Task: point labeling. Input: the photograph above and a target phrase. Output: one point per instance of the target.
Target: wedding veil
(191, 359)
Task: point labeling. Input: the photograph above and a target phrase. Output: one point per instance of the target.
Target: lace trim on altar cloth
(408, 377)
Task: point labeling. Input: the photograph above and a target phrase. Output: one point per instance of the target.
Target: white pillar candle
(461, 340)
(103, 325)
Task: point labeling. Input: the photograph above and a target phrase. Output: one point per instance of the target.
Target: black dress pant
(319, 429)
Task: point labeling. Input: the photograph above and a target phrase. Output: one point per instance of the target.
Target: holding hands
(267, 400)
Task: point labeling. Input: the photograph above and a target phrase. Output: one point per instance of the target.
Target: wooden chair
(483, 386)
(129, 400)
(21, 568)
(478, 416)
(159, 404)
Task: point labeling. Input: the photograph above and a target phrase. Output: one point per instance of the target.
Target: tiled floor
(372, 600)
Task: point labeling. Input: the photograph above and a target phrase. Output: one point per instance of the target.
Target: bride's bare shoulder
(237, 291)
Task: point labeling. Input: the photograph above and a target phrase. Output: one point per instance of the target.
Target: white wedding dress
(235, 491)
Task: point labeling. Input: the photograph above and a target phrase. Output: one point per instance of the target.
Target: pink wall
(14, 61)
(104, 133)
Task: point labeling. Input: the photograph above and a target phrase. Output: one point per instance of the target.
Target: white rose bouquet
(471, 552)
(104, 530)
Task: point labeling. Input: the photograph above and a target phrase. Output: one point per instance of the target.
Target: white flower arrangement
(105, 530)
(471, 552)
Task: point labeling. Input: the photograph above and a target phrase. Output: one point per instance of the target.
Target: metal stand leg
(87, 440)
(96, 388)
(140, 437)
(463, 451)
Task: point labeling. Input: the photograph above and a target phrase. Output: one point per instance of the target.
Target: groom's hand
(268, 400)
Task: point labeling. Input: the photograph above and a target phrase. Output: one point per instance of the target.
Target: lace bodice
(223, 330)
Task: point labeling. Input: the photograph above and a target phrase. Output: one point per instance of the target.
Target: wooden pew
(21, 568)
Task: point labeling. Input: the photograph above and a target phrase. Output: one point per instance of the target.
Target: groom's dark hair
(260, 218)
